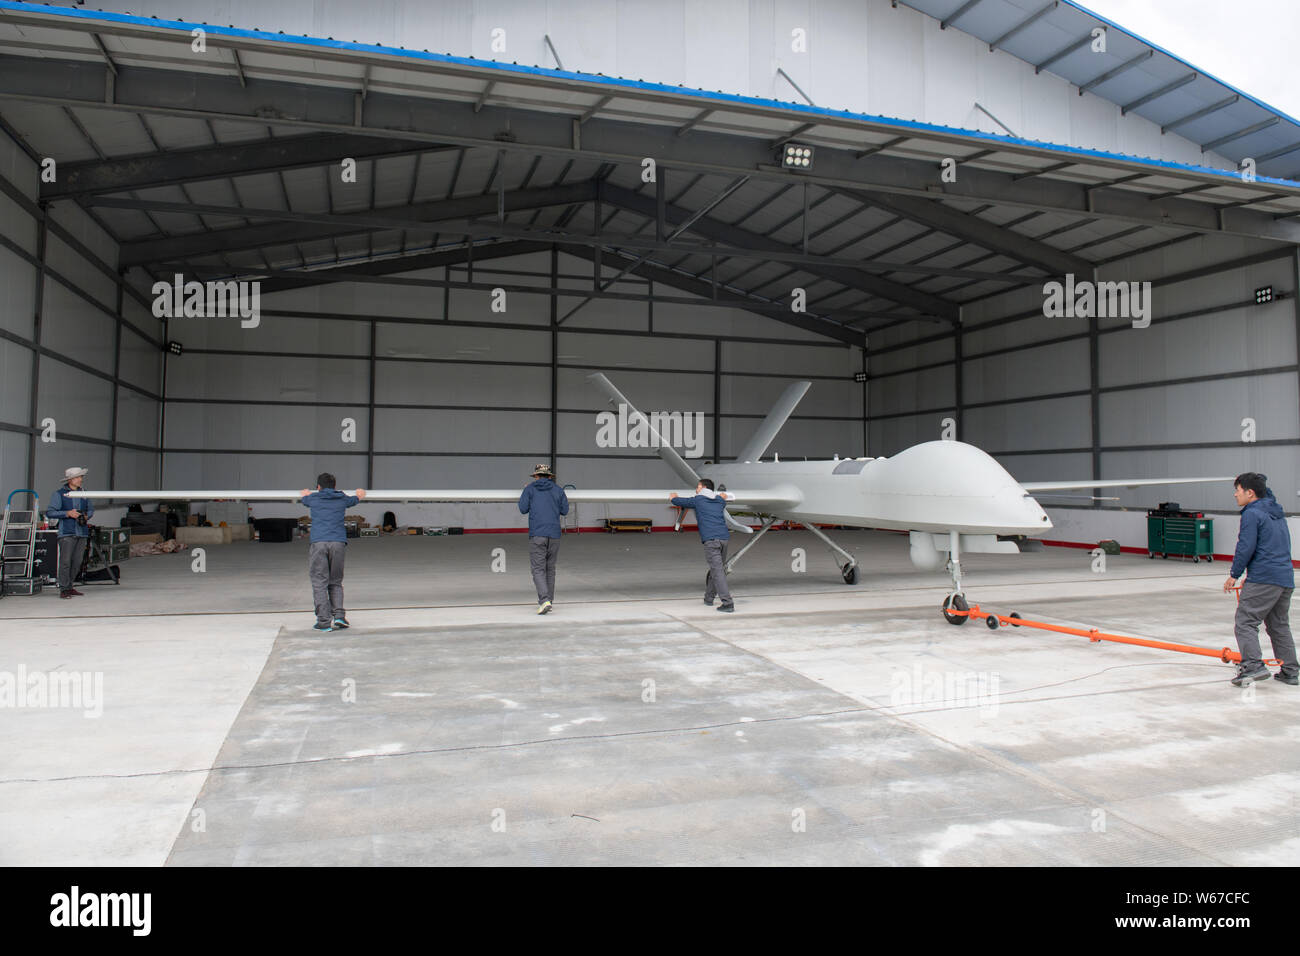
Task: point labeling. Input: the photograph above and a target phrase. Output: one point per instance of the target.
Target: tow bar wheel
(992, 622)
(955, 602)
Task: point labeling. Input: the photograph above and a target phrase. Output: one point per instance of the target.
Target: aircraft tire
(850, 573)
(958, 602)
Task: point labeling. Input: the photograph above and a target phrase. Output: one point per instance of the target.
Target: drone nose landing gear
(956, 600)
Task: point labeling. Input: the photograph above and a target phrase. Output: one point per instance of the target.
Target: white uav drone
(949, 496)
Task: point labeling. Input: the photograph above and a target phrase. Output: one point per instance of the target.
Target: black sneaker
(341, 622)
(318, 626)
(709, 601)
(728, 608)
(1291, 679)
(1246, 676)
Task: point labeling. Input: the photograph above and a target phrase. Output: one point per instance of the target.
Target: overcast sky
(1252, 44)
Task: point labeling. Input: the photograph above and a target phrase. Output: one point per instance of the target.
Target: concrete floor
(819, 724)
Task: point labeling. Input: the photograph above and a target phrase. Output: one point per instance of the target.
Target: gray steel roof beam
(1122, 68)
(1206, 111)
(1062, 53)
(1216, 143)
(1156, 94)
(299, 227)
(1024, 24)
(713, 229)
(961, 11)
(173, 167)
(979, 231)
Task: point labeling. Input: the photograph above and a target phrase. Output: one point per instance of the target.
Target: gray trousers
(715, 552)
(542, 555)
(325, 568)
(1271, 604)
(71, 551)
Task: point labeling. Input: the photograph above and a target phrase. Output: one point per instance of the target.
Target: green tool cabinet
(1181, 537)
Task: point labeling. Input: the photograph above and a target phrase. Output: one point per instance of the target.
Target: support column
(370, 426)
(717, 400)
(555, 355)
(1094, 400)
(117, 375)
(42, 236)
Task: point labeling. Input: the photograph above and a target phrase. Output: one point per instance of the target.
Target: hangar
(439, 221)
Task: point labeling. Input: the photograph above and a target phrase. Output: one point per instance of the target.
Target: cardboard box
(203, 536)
(146, 539)
(192, 521)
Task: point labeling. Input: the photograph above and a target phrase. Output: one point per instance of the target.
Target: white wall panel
(1049, 467)
(137, 418)
(136, 469)
(72, 266)
(612, 351)
(15, 383)
(73, 327)
(17, 294)
(928, 388)
(791, 361)
(1033, 371)
(80, 404)
(1202, 412)
(273, 334)
(262, 378)
(424, 383)
(1049, 423)
(288, 427)
(141, 362)
(13, 461)
(289, 472)
(400, 429)
(458, 342)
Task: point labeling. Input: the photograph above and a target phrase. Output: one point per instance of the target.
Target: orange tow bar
(994, 621)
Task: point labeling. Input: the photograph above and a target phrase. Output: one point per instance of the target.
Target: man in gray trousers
(545, 503)
(329, 541)
(711, 518)
(1264, 554)
(72, 513)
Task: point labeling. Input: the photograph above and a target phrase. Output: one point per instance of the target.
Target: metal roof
(1135, 74)
(227, 164)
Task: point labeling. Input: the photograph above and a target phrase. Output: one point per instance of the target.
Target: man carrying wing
(710, 516)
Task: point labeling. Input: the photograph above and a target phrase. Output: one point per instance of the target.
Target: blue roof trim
(704, 95)
(1174, 56)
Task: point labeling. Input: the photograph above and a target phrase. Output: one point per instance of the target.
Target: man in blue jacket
(545, 503)
(710, 510)
(329, 540)
(1264, 554)
(72, 513)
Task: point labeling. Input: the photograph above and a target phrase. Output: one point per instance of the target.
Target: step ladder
(18, 545)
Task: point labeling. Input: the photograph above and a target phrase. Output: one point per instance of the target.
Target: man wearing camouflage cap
(545, 503)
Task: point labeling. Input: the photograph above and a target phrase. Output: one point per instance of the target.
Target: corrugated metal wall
(100, 390)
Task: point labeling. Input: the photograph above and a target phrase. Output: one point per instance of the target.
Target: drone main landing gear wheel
(850, 573)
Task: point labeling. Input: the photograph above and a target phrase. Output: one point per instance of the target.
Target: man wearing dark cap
(545, 503)
(73, 515)
(1264, 555)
